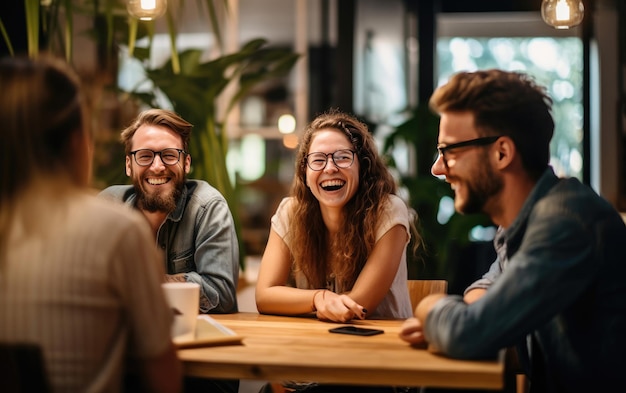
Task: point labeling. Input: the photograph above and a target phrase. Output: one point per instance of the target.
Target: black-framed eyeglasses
(317, 161)
(484, 141)
(145, 157)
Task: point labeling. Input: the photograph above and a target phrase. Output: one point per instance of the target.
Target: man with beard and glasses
(190, 219)
(557, 289)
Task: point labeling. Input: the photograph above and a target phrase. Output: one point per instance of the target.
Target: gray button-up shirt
(199, 239)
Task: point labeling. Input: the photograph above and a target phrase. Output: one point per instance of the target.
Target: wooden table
(278, 348)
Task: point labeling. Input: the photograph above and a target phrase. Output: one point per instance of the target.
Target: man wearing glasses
(557, 290)
(190, 219)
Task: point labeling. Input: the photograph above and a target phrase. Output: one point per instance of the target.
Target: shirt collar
(177, 214)
(547, 180)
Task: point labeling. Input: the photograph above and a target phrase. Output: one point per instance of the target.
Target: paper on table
(209, 332)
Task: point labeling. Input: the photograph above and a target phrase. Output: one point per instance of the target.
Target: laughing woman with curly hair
(338, 243)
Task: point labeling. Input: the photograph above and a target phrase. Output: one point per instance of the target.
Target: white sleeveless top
(396, 304)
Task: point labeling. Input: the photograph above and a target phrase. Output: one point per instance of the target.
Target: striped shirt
(83, 280)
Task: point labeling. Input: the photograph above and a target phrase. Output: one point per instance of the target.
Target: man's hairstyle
(158, 117)
(503, 103)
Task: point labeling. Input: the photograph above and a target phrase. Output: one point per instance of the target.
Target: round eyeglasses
(341, 158)
(145, 157)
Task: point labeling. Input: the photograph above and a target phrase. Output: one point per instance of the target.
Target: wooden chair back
(419, 289)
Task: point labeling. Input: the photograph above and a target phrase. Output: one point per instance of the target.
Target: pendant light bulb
(562, 14)
(146, 9)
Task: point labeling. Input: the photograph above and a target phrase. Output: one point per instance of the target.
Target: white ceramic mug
(184, 299)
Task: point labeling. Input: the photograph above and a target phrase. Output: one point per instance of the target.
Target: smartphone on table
(357, 331)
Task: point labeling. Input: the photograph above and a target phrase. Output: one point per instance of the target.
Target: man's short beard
(159, 203)
(484, 184)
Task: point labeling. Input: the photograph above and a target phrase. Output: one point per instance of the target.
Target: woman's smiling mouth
(332, 185)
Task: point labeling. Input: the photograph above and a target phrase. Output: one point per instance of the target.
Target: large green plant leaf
(6, 38)
(32, 26)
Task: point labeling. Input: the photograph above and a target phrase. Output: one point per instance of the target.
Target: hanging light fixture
(146, 9)
(562, 14)
(286, 124)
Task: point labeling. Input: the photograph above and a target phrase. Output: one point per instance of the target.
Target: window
(523, 43)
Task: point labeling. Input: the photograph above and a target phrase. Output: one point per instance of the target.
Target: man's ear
(128, 164)
(187, 163)
(506, 151)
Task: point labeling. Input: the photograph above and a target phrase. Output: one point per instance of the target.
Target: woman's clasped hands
(330, 306)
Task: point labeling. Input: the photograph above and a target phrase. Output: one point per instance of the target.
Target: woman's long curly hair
(311, 246)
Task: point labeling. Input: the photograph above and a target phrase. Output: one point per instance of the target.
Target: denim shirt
(199, 239)
(557, 291)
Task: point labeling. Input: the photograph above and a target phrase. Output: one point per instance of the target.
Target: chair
(23, 368)
(419, 289)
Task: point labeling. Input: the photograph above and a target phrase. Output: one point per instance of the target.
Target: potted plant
(191, 86)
